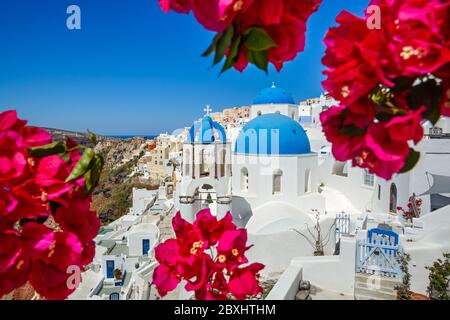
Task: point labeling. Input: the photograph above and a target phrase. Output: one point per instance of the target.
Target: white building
(282, 168)
(206, 178)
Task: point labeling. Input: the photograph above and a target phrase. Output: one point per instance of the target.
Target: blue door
(110, 269)
(145, 246)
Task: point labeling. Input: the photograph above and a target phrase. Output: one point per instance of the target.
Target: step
(380, 283)
(375, 294)
(384, 281)
(358, 286)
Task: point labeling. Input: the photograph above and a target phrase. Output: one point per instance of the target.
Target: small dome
(273, 134)
(273, 95)
(206, 131)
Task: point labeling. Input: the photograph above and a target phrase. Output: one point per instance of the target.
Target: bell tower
(206, 170)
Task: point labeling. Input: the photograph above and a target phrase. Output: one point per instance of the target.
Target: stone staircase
(370, 287)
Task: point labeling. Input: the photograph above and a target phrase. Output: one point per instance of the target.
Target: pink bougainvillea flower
(207, 273)
(180, 226)
(32, 188)
(344, 146)
(382, 155)
(166, 277)
(79, 219)
(407, 127)
(203, 273)
(180, 6)
(353, 56)
(51, 174)
(217, 15)
(418, 36)
(49, 275)
(211, 228)
(244, 281)
(232, 247)
(262, 12)
(34, 137)
(13, 160)
(289, 36)
(14, 266)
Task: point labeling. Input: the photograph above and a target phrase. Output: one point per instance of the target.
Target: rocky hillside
(120, 151)
(113, 196)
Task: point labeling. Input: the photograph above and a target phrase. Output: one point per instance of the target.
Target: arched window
(259, 113)
(204, 169)
(244, 179)
(393, 198)
(308, 180)
(276, 187)
(187, 164)
(223, 159)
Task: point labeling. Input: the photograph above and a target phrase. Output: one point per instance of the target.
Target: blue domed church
(274, 100)
(274, 170)
(267, 177)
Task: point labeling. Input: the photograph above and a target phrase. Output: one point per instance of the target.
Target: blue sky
(132, 69)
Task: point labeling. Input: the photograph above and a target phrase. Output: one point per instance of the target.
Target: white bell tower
(206, 178)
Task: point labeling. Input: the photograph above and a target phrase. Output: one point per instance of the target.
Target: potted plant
(321, 187)
(412, 211)
(117, 274)
(316, 239)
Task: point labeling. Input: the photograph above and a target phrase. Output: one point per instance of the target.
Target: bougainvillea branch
(388, 81)
(46, 225)
(210, 256)
(255, 32)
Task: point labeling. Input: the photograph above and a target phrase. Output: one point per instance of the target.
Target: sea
(149, 137)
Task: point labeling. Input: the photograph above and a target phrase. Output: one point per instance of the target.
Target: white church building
(275, 172)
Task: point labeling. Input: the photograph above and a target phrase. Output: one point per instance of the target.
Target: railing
(342, 225)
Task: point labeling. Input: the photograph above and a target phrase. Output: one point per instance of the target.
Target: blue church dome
(273, 95)
(273, 134)
(206, 131)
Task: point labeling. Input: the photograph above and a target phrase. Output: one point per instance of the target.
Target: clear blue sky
(131, 69)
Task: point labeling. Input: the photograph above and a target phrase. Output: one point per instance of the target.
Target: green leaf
(411, 161)
(232, 55)
(212, 46)
(88, 183)
(48, 149)
(257, 39)
(259, 59)
(82, 165)
(92, 176)
(223, 43)
(92, 137)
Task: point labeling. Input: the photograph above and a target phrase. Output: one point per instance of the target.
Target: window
(379, 192)
(308, 180)
(277, 175)
(393, 198)
(187, 171)
(244, 179)
(369, 179)
(340, 169)
(204, 170)
(222, 164)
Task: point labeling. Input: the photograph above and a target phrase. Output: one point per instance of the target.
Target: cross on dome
(207, 110)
